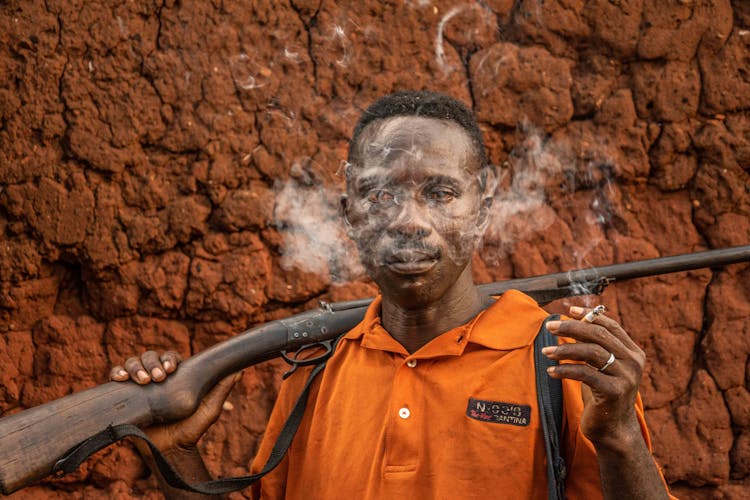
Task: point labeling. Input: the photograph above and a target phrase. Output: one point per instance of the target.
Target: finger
(153, 366)
(210, 407)
(610, 324)
(587, 375)
(617, 330)
(586, 314)
(578, 312)
(593, 354)
(189, 431)
(590, 333)
(170, 360)
(118, 374)
(136, 371)
(221, 391)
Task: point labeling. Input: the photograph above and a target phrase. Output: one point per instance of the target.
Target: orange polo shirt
(456, 419)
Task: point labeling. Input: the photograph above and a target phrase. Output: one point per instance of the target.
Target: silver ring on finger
(608, 363)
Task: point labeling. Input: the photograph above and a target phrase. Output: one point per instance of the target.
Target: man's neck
(415, 327)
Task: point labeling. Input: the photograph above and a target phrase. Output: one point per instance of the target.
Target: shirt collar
(510, 323)
(372, 334)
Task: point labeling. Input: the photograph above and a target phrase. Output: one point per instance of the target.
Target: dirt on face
(158, 158)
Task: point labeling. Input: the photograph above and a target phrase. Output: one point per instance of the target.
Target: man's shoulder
(511, 322)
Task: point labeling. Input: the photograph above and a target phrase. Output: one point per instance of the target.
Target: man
(433, 394)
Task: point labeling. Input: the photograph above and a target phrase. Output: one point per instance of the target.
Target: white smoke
(315, 238)
(521, 210)
(314, 235)
(439, 37)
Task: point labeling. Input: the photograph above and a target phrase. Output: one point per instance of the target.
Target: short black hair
(421, 103)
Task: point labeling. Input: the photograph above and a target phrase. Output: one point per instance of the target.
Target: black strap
(549, 394)
(73, 459)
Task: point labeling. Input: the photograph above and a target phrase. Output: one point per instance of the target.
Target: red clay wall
(144, 147)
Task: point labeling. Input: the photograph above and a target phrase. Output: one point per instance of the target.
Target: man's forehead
(416, 146)
(416, 141)
(411, 132)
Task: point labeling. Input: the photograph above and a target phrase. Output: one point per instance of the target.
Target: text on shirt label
(498, 412)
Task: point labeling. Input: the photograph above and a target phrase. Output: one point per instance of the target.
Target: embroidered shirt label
(498, 412)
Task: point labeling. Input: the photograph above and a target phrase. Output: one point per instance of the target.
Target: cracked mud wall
(144, 146)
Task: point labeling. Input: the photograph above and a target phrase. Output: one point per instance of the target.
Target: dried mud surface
(143, 146)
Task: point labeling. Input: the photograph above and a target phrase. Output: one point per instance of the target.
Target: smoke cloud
(521, 209)
(315, 237)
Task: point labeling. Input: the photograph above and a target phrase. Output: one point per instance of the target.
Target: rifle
(33, 440)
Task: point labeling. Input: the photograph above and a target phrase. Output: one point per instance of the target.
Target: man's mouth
(411, 260)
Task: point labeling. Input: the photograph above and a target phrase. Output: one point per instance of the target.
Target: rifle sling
(73, 459)
(549, 394)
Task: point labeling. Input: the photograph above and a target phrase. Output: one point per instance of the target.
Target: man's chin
(409, 287)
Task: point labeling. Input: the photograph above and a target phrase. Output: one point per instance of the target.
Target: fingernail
(142, 375)
(553, 325)
(551, 369)
(237, 377)
(121, 373)
(167, 365)
(157, 373)
(227, 406)
(549, 350)
(575, 310)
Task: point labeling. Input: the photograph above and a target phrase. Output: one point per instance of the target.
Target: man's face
(416, 205)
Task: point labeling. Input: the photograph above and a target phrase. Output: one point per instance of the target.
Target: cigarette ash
(315, 240)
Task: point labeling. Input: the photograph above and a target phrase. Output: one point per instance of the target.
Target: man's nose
(409, 219)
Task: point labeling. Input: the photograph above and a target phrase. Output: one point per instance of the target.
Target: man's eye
(441, 195)
(380, 196)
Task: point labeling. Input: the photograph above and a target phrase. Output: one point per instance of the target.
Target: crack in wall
(67, 94)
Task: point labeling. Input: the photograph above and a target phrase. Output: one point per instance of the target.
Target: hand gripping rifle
(33, 440)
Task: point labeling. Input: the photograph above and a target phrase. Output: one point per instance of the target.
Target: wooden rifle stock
(33, 440)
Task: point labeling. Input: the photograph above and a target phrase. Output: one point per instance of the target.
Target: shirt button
(404, 413)
(411, 363)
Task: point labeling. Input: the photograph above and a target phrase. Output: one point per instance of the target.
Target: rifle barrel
(31, 441)
(629, 270)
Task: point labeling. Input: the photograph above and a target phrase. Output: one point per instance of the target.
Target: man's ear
(344, 209)
(488, 195)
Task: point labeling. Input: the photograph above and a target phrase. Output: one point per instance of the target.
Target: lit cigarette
(591, 315)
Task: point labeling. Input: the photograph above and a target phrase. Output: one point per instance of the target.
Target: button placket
(404, 417)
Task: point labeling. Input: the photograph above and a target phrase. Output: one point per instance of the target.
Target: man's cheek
(461, 242)
(369, 245)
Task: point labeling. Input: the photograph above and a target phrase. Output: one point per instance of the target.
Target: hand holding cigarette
(599, 353)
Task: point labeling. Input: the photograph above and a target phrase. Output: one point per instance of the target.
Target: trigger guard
(295, 363)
